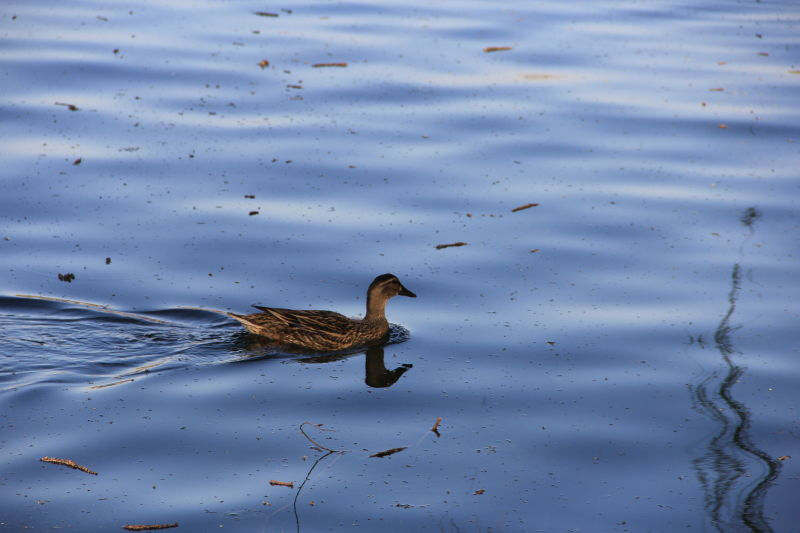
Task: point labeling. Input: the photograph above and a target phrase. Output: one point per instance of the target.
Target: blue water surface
(620, 356)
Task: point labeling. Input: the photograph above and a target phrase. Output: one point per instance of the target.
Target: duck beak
(406, 292)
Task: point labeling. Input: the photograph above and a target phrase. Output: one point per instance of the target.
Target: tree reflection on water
(728, 469)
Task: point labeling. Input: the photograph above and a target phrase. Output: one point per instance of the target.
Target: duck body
(328, 330)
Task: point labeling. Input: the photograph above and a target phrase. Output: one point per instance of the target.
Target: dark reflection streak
(719, 469)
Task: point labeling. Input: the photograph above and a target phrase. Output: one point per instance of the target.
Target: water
(620, 357)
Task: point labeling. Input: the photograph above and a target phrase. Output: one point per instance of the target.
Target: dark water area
(621, 356)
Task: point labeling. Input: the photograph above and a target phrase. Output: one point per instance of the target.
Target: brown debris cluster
(435, 427)
(67, 462)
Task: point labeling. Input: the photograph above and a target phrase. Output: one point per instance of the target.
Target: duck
(327, 330)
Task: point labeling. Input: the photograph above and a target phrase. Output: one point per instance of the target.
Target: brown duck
(327, 330)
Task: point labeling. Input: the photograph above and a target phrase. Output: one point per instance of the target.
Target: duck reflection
(731, 461)
(255, 348)
(375, 372)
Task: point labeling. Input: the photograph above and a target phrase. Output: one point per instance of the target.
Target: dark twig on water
(526, 206)
(71, 107)
(390, 451)
(149, 527)
(451, 245)
(319, 446)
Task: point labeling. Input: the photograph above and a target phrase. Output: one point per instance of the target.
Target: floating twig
(320, 65)
(479, 491)
(71, 107)
(149, 527)
(67, 462)
(105, 385)
(319, 446)
(435, 427)
(526, 206)
(409, 506)
(451, 245)
(497, 49)
(276, 483)
(264, 14)
(391, 451)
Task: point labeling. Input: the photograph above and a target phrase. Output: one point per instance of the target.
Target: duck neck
(376, 309)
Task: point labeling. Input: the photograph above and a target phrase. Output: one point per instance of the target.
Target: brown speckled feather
(327, 330)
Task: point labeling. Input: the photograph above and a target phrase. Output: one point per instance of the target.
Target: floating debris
(435, 427)
(722, 126)
(275, 482)
(149, 527)
(264, 14)
(409, 506)
(490, 49)
(71, 107)
(320, 65)
(784, 457)
(390, 451)
(263, 63)
(78, 161)
(526, 206)
(534, 250)
(479, 491)
(316, 444)
(294, 86)
(252, 213)
(717, 89)
(108, 260)
(66, 277)
(67, 462)
(751, 214)
(451, 245)
(106, 385)
(251, 196)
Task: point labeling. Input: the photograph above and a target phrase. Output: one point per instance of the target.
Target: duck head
(387, 285)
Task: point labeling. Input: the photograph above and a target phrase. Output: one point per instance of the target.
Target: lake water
(622, 356)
